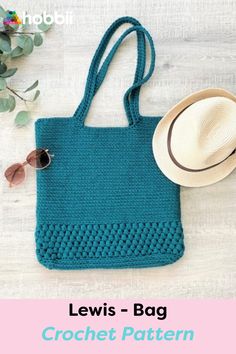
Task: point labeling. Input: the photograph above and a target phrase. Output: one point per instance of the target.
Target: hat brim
(160, 148)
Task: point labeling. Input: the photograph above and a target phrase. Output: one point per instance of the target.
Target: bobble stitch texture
(94, 242)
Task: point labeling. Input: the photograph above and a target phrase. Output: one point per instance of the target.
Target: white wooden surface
(196, 48)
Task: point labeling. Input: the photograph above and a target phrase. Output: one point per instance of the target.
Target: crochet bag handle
(141, 61)
(95, 77)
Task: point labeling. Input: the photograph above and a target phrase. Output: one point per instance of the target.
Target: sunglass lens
(39, 158)
(15, 174)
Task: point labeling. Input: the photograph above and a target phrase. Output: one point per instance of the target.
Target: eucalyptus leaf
(4, 45)
(3, 67)
(28, 46)
(4, 57)
(22, 118)
(35, 84)
(26, 43)
(2, 12)
(37, 93)
(13, 27)
(9, 72)
(21, 41)
(5, 36)
(3, 84)
(4, 104)
(12, 103)
(44, 27)
(16, 52)
(2, 27)
(38, 39)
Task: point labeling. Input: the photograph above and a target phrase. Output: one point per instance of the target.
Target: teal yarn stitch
(103, 202)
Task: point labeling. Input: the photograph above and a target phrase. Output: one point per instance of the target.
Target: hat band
(169, 136)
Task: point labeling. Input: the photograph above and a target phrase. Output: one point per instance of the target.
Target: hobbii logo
(48, 19)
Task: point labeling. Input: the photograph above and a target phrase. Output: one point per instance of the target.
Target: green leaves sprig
(17, 41)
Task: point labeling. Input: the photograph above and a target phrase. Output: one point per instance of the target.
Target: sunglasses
(39, 159)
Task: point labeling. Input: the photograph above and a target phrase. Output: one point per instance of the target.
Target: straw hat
(194, 143)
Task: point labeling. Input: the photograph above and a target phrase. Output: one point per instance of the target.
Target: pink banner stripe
(190, 326)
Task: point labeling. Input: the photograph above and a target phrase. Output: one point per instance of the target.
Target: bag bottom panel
(118, 245)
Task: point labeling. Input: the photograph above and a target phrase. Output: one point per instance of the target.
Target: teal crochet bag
(103, 202)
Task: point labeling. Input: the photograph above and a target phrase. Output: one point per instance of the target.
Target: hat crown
(204, 133)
